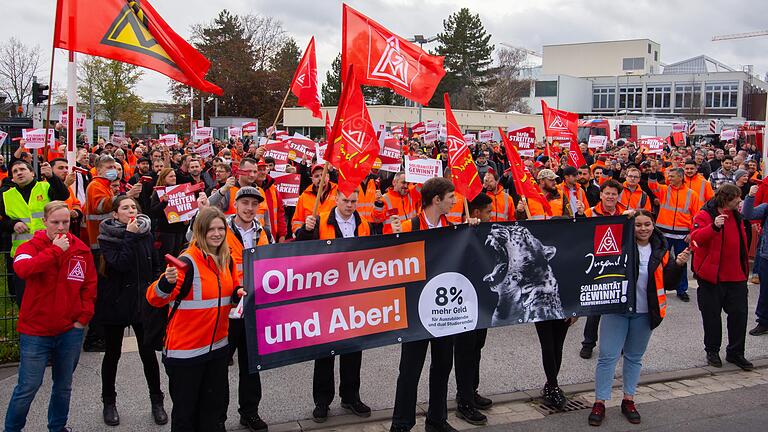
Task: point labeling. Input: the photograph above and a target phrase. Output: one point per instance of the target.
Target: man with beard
(590, 188)
(572, 190)
(558, 202)
(503, 204)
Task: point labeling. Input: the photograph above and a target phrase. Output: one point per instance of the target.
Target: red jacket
(60, 286)
(719, 255)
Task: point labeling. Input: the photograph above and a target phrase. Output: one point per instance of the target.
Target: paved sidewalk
(511, 364)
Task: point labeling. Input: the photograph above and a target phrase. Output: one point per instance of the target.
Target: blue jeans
(64, 352)
(631, 333)
(678, 245)
(762, 301)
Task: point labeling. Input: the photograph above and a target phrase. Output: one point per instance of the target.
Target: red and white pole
(71, 109)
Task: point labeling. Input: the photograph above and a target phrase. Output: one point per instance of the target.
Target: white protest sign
(103, 132)
(35, 138)
(729, 134)
(430, 137)
(235, 132)
(203, 133)
(320, 152)
(485, 136)
(119, 128)
(597, 142)
(469, 139)
(3, 135)
(420, 170)
(204, 149)
(169, 139)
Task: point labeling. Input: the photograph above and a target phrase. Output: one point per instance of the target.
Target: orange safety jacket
(394, 204)
(700, 186)
(598, 210)
(306, 203)
(327, 225)
(366, 196)
(201, 322)
(677, 207)
(98, 206)
(408, 225)
(456, 215)
(580, 195)
(634, 200)
(503, 205)
(236, 244)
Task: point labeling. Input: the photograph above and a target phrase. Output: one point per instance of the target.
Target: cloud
(683, 29)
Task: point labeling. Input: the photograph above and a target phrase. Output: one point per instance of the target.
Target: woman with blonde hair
(196, 353)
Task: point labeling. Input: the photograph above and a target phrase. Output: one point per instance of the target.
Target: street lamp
(421, 40)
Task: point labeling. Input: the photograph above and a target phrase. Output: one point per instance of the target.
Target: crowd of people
(87, 245)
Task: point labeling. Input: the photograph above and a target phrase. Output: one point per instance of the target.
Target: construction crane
(740, 35)
(527, 51)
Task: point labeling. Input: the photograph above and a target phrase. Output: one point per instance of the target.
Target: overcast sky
(683, 28)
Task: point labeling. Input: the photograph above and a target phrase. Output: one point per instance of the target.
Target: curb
(518, 396)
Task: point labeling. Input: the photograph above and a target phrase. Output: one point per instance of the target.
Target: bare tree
(20, 63)
(266, 35)
(507, 87)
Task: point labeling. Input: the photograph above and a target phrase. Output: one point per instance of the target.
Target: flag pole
(320, 188)
(277, 117)
(466, 208)
(71, 110)
(50, 97)
(527, 209)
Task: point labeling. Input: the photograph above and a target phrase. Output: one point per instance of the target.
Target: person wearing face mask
(627, 335)
(99, 196)
(126, 268)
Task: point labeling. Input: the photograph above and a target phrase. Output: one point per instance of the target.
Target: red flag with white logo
(304, 83)
(524, 183)
(563, 127)
(384, 59)
(463, 168)
(353, 147)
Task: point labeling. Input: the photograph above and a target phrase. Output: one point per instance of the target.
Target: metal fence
(9, 313)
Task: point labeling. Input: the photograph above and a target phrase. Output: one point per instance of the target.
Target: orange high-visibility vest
(306, 203)
(404, 207)
(201, 323)
(456, 215)
(677, 207)
(98, 206)
(700, 186)
(236, 249)
(503, 205)
(328, 232)
(365, 199)
(634, 200)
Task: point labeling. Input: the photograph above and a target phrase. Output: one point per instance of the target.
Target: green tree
(283, 66)
(112, 84)
(468, 62)
(331, 89)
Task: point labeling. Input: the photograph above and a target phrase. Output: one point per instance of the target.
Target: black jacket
(672, 274)
(127, 271)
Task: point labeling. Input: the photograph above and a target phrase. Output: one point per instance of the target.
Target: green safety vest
(31, 213)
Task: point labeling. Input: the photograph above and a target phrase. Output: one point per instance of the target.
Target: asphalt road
(741, 410)
(511, 362)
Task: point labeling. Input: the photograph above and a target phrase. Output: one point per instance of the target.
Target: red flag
(563, 126)
(463, 168)
(353, 147)
(327, 127)
(304, 83)
(405, 131)
(525, 185)
(131, 32)
(384, 59)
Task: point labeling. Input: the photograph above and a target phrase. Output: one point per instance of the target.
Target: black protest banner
(308, 300)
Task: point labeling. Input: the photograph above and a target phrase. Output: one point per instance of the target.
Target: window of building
(633, 63)
(655, 56)
(721, 95)
(603, 98)
(545, 89)
(649, 48)
(658, 96)
(686, 95)
(631, 98)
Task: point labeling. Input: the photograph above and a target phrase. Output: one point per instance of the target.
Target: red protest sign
(182, 204)
(287, 186)
(525, 140)
(652, 145)
(250, 128)
(279, 152)
(391, 155)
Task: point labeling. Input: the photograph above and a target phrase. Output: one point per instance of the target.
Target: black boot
(111, 418)
(158, 410)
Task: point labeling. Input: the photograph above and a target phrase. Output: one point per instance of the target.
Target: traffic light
(38, 95)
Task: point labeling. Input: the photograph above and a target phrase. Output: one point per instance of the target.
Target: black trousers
(200, 394)
(590, 331)
(113, 339)
(551, 338)
(248, 385)
(412, 356)
(466, 354)
(323, 386)
(713, 299)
